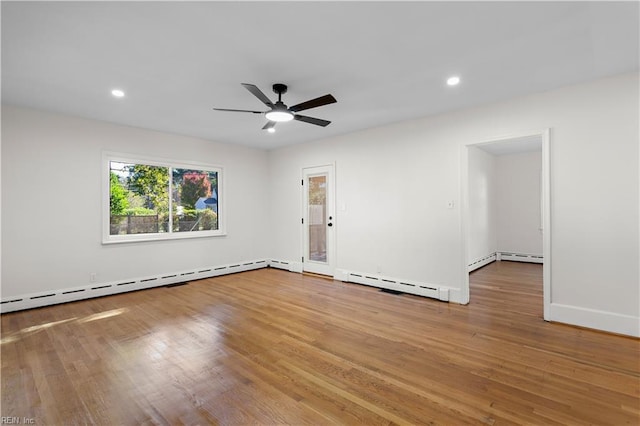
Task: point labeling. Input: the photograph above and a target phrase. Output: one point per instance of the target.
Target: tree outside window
(158, 199)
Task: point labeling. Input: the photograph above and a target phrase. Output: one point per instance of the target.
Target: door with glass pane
(318, 220)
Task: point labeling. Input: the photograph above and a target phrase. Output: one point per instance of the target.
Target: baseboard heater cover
(479, 263)
(36, 300)
(521, 257)
(286, 265)
(397, 285)
(502, 255)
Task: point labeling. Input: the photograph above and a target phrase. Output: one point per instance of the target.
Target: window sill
(136, 238)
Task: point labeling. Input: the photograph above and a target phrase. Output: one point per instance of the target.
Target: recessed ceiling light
(271, 130)
(117, 93)
(453, 80)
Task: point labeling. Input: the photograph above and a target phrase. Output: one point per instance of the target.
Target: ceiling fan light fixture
(453, 80)
(279, 116)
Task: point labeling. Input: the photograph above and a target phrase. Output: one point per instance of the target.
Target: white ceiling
(383, 61)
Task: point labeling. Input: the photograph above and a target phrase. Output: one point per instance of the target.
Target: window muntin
(140, 194)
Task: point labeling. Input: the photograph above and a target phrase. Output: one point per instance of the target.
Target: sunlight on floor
(27, 331)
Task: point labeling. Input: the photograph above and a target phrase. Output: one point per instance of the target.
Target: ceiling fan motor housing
(280, 88)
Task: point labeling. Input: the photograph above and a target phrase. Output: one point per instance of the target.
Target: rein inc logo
(6, 420)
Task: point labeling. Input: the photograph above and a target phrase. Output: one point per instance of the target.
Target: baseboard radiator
(521, 257)
(503, 255)
(286, 265)
(484, 260)
(35, 300)
(403, 286)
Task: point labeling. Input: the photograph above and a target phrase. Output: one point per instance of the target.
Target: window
(147, 199)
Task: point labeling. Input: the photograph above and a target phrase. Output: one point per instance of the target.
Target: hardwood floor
(273, 347)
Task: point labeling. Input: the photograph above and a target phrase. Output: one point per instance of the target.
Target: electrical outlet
(92, 277)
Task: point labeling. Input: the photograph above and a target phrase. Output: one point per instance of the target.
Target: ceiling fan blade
(313, 103)
(258, 94)
(239, 110)
(269, 125)
(312, 120)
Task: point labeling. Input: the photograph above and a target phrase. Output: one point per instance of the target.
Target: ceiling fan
(279, 112)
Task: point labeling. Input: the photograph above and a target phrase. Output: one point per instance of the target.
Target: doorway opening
(506, 206)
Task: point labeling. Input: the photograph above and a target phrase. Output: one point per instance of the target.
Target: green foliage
(135, 200)
(208, 219)
(194, 186)
(118, 201)
(189, 214)
(152, 183)
(317, 191)
(138, 211)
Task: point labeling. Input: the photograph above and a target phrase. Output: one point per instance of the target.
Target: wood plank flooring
(273, 347)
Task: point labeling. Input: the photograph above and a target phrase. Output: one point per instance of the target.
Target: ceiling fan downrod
(280, 89)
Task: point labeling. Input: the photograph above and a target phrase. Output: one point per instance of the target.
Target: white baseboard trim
(53, 297)
(286, 265)
(592, 318)
(520, 257)
(481, 261)
(433, 291)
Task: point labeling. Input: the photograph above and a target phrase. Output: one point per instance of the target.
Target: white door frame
(328, 267)
(546, 215)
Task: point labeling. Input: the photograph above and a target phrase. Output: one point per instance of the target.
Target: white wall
(396, 181)
(395, 221)
(483, 204)
(504, 203)
(51, 203)
(518, 203)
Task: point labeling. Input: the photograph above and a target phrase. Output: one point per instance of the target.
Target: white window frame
(107, 238)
